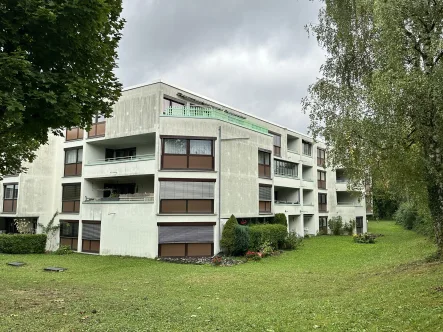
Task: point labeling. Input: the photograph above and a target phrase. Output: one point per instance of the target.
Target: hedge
(274, 233)
(241, 240)
(23, 243)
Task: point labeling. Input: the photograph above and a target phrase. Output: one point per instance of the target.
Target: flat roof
(216, 102)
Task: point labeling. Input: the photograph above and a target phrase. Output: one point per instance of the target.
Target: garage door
(181, 241)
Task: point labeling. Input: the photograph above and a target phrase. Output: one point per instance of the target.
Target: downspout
(219, 185)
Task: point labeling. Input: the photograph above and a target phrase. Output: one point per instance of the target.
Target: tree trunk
(435, 192)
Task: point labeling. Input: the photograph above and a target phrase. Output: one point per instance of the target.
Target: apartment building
(164, 173)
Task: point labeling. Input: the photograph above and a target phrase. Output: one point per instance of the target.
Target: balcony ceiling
(143, 139)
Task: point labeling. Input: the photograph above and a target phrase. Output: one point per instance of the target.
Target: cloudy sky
(253, 55)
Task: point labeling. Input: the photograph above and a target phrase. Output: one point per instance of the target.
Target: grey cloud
(252, 54)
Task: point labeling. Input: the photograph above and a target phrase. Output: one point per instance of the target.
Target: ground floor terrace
(329, 284)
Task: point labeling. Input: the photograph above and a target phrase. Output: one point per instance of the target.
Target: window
(111, 189)
(98, 126)
(307, 148)
(321, 157)
(91, 231)
(323, 225)
(265, 198)
(167, 103)
(183, 153)
(264, 164)
(285, 168)
(184, 196)
(277, 144)
(74, 134)
(322, 203)
(10, 195)
(71, 198)
(321, 180)
(120, 154)
(73, 162)
(69, 234)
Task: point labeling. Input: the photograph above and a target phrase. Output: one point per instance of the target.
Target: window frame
(190, 158)
(322, 204)
(321, 157)
(71, 240)
(266, 203)
(76, 202)
(96, 125)
(323, 224)
(321, 179)
(276, 148)
(309, 144)
(11, 201)
(276, 168)
(78, 164)
(263, 168)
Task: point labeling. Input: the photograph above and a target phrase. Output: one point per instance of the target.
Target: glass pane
(261, 157)
(176, 146)
(166, 103)
(9, 191)
(267, 158)
(79, 155)
(201, 147)
(71, 157)
(277, 140)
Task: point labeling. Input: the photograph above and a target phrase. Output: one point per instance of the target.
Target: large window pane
(201, 147)
(175, 146)
(71, 157)
(79, 155)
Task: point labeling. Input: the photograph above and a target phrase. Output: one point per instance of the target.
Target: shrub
(259, 234)
(292, 241)
(63, 250)
(280, 219)
(364, 238)
(241, 240)
(266, 249)
(217, 260)
(349, 227)
(23, 243)
(227, 241)
(253, 255)
(336, 225)
(410, 217)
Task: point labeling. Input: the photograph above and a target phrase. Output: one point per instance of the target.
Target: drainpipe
(219, 185)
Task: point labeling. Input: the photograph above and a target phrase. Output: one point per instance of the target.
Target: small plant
(24, 226)
(63, 250)
(217, 260)
(349, 227)
(292, 241)
(253, 255)
(50, 229)
(364, 238)
(266, 249)
(336, 225)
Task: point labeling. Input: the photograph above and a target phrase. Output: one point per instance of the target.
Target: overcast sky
(253, 55)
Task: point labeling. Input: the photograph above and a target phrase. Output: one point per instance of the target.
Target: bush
(241, 240)
(266, 249)
(253, 255)
(23, 243)
(63, 250)
(280, 219)
(292, 241)
(336, 225)
(364, 238)
(349, 227)
(259, 234)
(227, 241)
(410, 217)
(217, 260)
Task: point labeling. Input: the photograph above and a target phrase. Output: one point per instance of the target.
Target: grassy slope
(331, 283)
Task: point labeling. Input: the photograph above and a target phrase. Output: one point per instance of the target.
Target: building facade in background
(163, 174)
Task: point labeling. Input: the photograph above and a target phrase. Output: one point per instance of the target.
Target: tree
(280, 218)
(227, 241)
(379, 102)
(56, 68)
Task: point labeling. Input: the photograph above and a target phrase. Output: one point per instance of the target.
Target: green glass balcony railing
(210, 113)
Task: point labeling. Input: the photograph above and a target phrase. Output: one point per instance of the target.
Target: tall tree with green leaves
(379, 102)
(56, 67)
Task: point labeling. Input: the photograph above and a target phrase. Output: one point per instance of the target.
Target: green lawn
(330, 283)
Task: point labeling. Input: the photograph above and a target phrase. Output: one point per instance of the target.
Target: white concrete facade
(130, 224)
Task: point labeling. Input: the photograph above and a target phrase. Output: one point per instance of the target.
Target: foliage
(274, 234)
(266, 249)
(280, 219)
(349, 227)
(384, 204)
(412, 217)
(364, 238)
(378, 103)
(394, 263)
(24, 225)
(241, 240)
(292, 241)
(227, 241)
(217, 260)
(57, 61)
(253, 255)
(335, 224)
(22, 243)
(63, 250)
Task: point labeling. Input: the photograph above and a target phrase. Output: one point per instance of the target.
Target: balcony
(122, 198)
(293, 156)
(307, 208)
(209, 113)
(290, 208)
(307, 184)
(123, 166)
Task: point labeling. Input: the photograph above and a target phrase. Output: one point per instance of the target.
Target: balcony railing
(349, 204)
(210, 113)
(121, 159)
(286, 202)
(122, 198)
(341, 180)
